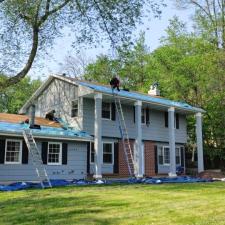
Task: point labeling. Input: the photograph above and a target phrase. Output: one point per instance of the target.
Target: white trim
(198, 114)
(171, 109)
(112, 143)
(98, 95)
(60, 154)
(20, 151)
(138, 103)
(165, 164)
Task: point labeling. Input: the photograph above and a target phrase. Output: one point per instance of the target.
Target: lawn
(199, 203)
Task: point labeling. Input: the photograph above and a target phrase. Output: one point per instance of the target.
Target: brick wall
(149, 159)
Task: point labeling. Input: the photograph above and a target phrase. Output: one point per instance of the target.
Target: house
(64, 152)
(156, 126)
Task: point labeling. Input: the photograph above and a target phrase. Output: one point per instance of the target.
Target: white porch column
(98, 136)
(138, 141)
(199, 142)
(172, 141)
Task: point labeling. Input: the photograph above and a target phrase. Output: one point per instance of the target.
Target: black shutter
(116, 158)
(2, 151)
(166, 119)
(182, 156)
(177, 121)
(25, 153)
(88, 158)
(64, 153)
(44, 152)
(113, 111)
(156, 159)
(134, 113)
(147, 116)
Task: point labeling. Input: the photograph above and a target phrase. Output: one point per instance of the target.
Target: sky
(154, 30)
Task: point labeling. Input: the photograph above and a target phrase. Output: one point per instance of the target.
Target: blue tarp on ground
(60, 183)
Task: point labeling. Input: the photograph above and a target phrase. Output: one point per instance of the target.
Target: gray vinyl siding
(75, 169)
(156, 131)
(58, 96)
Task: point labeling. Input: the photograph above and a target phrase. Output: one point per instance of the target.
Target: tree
(210, 19)
(13, 98)
(29, 27)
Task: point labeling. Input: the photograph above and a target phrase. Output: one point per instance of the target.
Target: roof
(12, 125)
(107, 90)
(15, 118)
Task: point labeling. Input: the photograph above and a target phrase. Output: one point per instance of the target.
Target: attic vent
(154, 89)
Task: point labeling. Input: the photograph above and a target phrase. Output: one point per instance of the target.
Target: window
(54, 153)
(176, 120)
(74, 108)
(160, 155)
(178, 156)
(106, 111)
(166, 155)
(92, 152)
(108, 153)
(143, 116)
(13, 152)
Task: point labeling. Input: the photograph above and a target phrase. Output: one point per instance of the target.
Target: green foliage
(13, 98)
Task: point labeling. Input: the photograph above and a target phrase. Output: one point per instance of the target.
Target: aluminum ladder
(129, 156)
(36, 159)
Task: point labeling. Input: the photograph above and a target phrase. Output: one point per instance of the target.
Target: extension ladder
(125, 138)
(36, 159)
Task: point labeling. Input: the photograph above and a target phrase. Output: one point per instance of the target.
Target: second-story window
(74, 108)
(143, 116)
(106, 111)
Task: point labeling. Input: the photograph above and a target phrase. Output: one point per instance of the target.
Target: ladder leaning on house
(129, 156)
(36, 159)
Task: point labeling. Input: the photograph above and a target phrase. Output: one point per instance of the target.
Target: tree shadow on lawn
(58, 210)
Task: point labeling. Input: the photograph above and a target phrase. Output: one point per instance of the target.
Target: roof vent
(154, 89)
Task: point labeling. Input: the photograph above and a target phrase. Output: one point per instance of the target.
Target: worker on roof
(115, 83)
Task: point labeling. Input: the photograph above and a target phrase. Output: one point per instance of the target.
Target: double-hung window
(74, 108)
(108, 153)
(166, 155)
(178, 156)
(106, 111)
(13, 151)
(54, 153)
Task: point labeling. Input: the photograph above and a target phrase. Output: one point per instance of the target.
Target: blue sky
(154, 30)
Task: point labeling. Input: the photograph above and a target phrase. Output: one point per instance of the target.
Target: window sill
(13, 163)
(54, 164)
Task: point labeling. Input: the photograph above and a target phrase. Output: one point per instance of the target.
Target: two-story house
(156, 126)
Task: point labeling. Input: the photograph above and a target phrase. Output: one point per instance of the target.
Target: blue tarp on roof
(44, 131)
(139, 96)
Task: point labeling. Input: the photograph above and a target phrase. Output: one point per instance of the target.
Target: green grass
(169, 204)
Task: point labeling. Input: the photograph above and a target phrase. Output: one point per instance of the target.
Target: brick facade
(149, 153)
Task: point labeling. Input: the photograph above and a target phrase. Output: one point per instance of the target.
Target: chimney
(154, 89)
(32, 116)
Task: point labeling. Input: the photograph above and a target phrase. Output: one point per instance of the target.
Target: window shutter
(156, 159)
(88, 157)
(64, 153)
(116, 158)
(25, 153)
(166, 119)
(113, 108)
(44, 152)
(182, 156)
(177, 121)
(134, 113)
(147, 116)
(2, 151)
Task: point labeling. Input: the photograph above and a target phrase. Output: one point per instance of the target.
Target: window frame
(112, 144)
(20, 151)
(164, 147)
(179, 150)
(91, 153)
(143, 110)
(110, 111)
(60, 155)
(72, 108)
